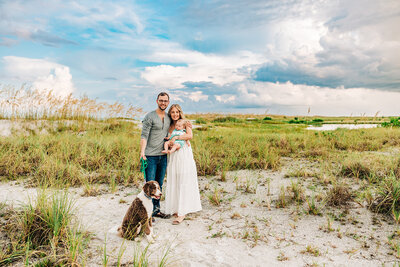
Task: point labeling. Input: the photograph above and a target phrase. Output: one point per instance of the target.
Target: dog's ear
(146, 189)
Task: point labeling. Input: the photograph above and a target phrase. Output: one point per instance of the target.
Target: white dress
(182, 194)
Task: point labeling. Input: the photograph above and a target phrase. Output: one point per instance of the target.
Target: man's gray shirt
(154, 130)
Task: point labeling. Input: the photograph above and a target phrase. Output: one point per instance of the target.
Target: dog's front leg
(149, 231)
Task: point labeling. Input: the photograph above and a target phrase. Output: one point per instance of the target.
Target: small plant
(282, 256)
(223, 175)
(121, 252)
(250, 185)
(140, 256)
(90, 190)
(311, 250)
(281, 203)
(312, 207)
(328, 228)
(113, 184)
(236, 215)
(105, 256)
(215, 196)
(268, 186)
(297, 192)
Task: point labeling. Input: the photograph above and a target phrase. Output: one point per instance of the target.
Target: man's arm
(143, 143)
(146, 126)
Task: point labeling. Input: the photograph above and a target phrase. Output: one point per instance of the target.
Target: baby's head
(180, 124)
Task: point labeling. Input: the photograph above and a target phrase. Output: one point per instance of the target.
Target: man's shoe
(162, 215)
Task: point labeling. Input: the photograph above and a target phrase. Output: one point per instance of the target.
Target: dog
(138, 218)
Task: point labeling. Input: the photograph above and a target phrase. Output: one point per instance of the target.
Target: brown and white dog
(139, 215)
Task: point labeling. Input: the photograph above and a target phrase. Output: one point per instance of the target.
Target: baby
(177, 144)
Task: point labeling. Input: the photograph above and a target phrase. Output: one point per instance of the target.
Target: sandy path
(243, 231)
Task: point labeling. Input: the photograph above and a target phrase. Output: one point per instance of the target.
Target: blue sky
(277, 57)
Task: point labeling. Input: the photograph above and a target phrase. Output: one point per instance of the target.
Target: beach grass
(43, 233)
(82, 142)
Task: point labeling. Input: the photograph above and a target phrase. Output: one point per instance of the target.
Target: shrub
(388, 196)
(339, 195)
(200, 121)
(356, 169)
(267, 119)
(393, 122)
(296, 121)
(227, 119)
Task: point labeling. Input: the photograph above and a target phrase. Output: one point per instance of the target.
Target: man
(155, 129)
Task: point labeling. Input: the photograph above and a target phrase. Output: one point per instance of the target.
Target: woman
(182, 194)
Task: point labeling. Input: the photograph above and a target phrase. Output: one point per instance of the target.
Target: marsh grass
(44, 231)
(85, 150)
(82, 153)
(27, 103)
(387, 198)
(67, 159)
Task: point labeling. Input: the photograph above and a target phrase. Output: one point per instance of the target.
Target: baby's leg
(166, 146)
(174, 148)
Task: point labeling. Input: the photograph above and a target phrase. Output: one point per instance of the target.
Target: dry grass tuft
(26, 103)
(339, 195)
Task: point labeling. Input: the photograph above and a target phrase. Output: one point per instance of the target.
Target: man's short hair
(163, 94)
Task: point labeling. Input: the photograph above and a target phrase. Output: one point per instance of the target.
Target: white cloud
(40, 73)
(225, 98)
(115, 14)
(195, 96)
(216, 69)
(322, 101)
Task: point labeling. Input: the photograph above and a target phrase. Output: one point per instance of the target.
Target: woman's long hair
(181, 116)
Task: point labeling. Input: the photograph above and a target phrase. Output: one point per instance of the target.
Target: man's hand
(143, 143)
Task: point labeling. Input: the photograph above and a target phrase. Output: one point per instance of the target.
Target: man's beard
(162, 108)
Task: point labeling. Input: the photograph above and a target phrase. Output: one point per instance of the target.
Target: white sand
(281, 233)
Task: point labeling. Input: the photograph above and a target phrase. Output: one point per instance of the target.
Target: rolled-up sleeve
(146, 126)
